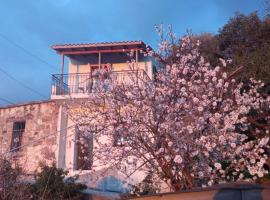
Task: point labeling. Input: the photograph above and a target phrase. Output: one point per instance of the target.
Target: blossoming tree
(186, 127)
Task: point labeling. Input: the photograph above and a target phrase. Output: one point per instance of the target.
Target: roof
(102, 47)
(27, 103)
(100, 44)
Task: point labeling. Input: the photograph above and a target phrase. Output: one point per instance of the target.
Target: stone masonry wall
(40, 120)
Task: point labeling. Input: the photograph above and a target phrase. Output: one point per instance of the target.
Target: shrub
(10, 185)
(51, 183)
(146, 187)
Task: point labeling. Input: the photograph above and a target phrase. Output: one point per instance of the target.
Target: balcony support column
(62, 63)
(99, 60)
(62, 73)
(137, 58)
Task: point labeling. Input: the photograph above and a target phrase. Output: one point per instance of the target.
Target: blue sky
(35, 25)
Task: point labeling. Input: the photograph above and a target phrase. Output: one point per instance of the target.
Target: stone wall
(40, 121)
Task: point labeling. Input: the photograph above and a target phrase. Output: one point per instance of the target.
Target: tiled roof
(100, 44)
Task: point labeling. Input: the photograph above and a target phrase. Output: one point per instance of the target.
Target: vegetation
(244, 40)
(183, 127)
(205, 118)
(50, 183)
(146, 187)
(11, 186)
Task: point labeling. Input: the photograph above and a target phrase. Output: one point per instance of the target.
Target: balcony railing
(85, 83)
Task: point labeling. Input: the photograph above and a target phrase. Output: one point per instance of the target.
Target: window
(84, 149)
(119, 140)
(17, 133)
(120, 137)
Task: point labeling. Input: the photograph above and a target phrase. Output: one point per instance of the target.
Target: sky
(30, 27)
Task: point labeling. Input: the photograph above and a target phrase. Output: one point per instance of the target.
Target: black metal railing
(83, 83)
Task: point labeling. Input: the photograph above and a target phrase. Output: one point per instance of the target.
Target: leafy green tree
(209, 48)
(245, 39)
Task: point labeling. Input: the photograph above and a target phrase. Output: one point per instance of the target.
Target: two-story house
(42, 132)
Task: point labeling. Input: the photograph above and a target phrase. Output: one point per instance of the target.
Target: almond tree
(186, 127)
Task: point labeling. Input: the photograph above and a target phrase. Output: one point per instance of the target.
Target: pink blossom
(200, 109)
(178, 159)
(217, 166)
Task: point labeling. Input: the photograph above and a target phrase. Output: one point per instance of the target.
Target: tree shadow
(113, 184)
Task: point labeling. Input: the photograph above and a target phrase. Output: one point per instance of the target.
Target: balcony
(81, 84)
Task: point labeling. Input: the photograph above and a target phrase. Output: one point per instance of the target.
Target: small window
(119, 140)
(120, 137)
(18, 130)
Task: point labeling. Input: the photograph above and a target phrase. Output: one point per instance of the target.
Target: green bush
(11, 187)
(146, 187)
(51, 184)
